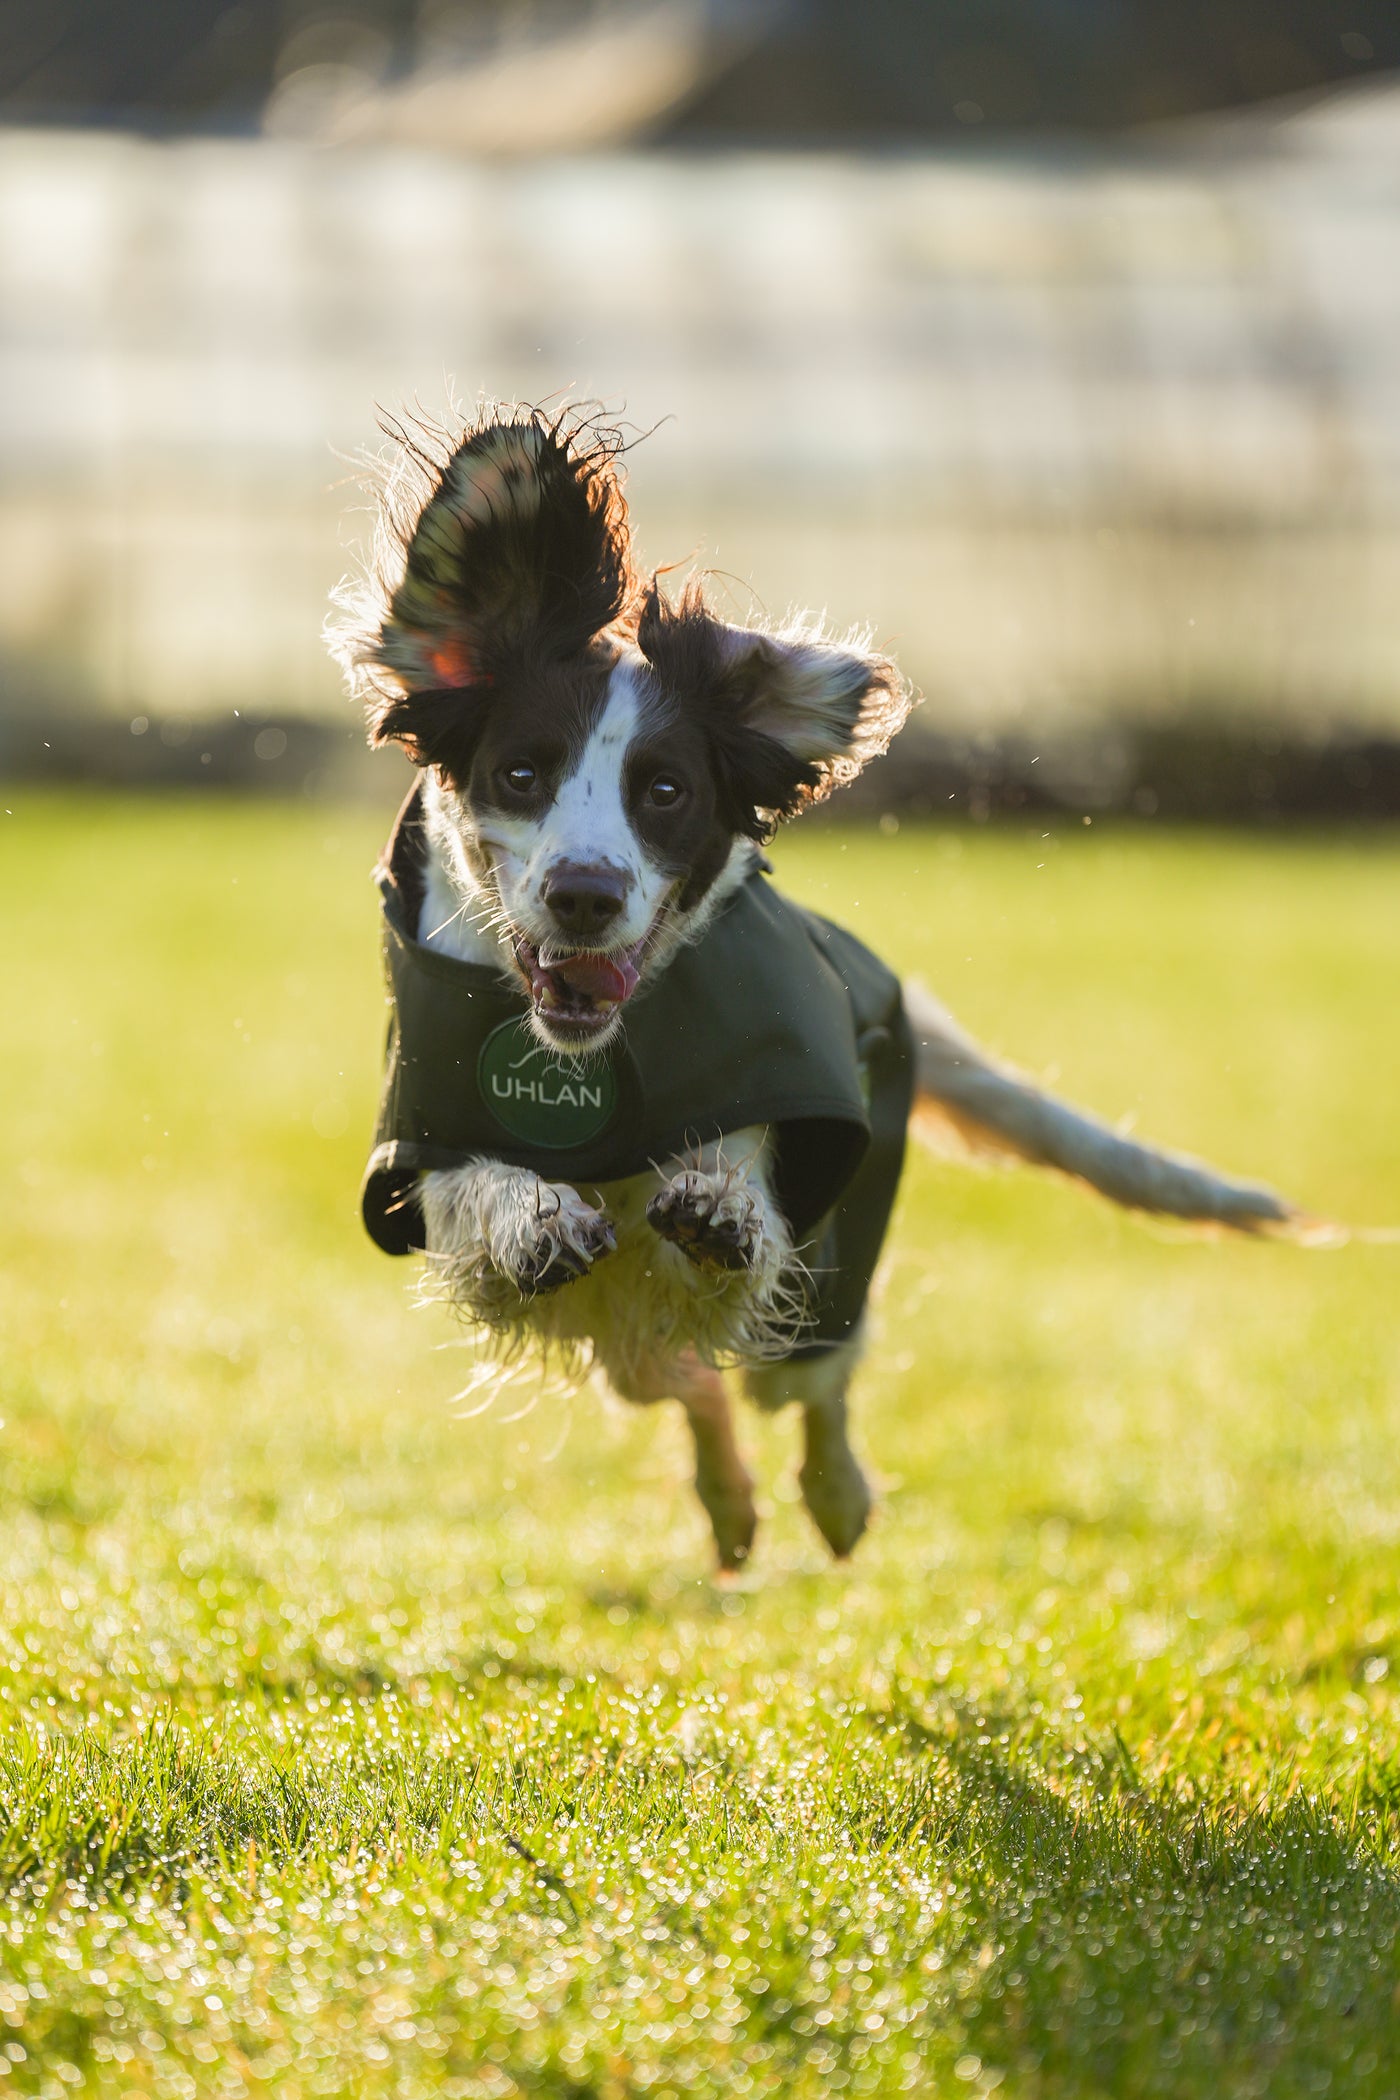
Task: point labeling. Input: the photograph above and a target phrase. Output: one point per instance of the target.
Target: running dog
(640, 1111)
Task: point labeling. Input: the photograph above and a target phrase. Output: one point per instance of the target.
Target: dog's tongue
(598, 977)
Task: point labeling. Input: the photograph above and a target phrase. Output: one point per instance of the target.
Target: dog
(642, 1114)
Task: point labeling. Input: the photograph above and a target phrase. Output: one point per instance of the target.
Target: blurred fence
(1089, 440)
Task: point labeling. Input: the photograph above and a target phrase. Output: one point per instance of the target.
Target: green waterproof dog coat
(774, 1016)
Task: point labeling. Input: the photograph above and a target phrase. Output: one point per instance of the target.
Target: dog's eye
(664, 792)
(520, 779)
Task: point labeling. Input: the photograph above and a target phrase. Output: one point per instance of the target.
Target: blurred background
(1060, 341)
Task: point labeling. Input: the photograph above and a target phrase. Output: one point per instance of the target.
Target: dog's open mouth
(578, 994)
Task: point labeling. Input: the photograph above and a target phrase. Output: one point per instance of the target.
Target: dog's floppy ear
(499, 542)
(792, 713)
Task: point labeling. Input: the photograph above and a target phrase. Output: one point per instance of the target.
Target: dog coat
(774, 1016)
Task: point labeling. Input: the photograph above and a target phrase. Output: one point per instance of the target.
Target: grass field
(347, 1747)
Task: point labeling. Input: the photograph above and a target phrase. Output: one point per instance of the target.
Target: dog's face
(601, 755)
(587, 813)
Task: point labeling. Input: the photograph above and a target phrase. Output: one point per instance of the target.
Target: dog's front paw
(553, 1241)
(716, 1223)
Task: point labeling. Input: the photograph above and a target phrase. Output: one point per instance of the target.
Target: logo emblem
(540, 1097)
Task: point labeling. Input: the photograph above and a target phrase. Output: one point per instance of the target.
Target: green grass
(347, 1747)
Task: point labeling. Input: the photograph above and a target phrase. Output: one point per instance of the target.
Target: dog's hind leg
(722, 1480)
(834, 1488)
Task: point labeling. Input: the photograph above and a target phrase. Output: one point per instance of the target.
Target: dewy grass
(351, 1748)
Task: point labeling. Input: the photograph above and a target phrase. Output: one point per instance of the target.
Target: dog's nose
(584, 901)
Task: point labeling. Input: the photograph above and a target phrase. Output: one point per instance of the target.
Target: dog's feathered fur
(837, 709)
(507, 537)
(989, 1111)
(600, 765)
(503, 546)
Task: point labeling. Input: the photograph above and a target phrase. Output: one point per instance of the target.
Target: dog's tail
(970, 1104)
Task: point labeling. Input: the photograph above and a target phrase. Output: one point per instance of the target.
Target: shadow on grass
(1131, 1939)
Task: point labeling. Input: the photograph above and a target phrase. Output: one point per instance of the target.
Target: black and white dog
(598, 769)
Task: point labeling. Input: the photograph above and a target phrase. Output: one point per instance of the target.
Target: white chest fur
(611, 1273)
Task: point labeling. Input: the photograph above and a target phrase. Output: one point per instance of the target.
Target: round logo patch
(539, 1096)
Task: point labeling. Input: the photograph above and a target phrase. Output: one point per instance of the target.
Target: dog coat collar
(774, 1016)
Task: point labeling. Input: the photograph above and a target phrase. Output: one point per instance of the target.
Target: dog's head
(604, 757)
